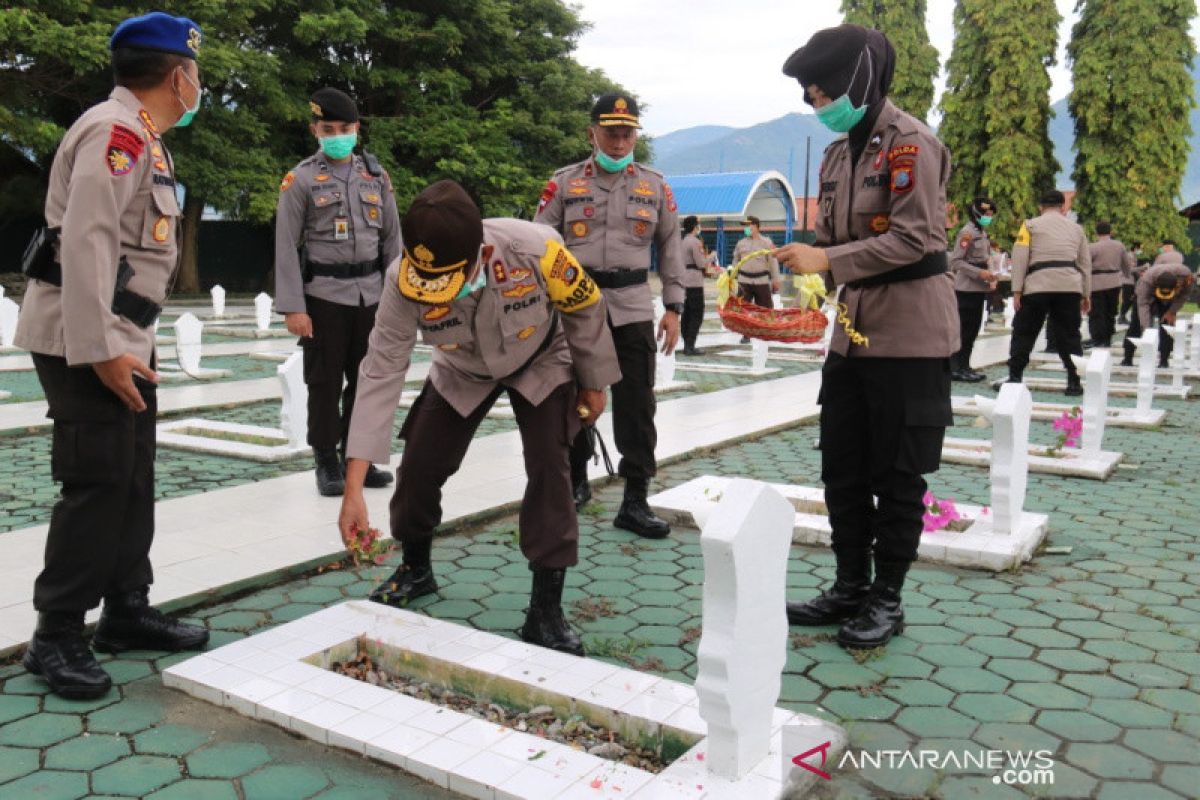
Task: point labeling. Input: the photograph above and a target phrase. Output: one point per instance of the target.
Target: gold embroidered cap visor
(424, 283)
(442, 232)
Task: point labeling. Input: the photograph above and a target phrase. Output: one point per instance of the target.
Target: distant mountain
(671, 143)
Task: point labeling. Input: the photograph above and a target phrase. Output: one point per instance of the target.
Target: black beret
(333, 105)
(828, 51)
(615, 109)
(1053, 199)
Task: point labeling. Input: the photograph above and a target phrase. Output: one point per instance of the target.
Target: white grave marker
(1009, 471)
(9, 311)
(1179, 331)
(293, 413)
(188, 331)
(758, 354)
(665, 369)
(218, 301)
(1095, 400)
(262, 311)
(744, 645)
(1147, 361)
(1194, 345)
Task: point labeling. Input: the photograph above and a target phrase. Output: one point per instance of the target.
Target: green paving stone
(354, 793)
(1170, 746)
(999, 647)
(138, 775)
(337, 578)
(227, 760)
(918, 693)
(1045, 637)
(128, 716)
(901, 782)
(26, 684)
(87, 752)
(465, 591)
(16, 761)
(1119, 790)
(661, 616)
(854, 706)
(876, 736)
(1181, 779)
(657, 582)
(238, 620)
(958, 786)
(993, 708)
(1131, 713)
(1077, 726)
(454, 609)
(1160, 641)
(969, 679)
(798, 689)
(1022, 670)
(170, 740)
(1024, 618)
(1133, 622)
(943, 722)
(1183, 701)
(284, 782)
(295, 611)
(14, 707)
(315, 594)
(1015, 737)
(902, 666)
(1118, 651)
(657, 634)
(196, 790)
(1109, 761)
(122, 671)
(1048, 695)
(934, 634)
(1072, 661)
(942, 655)
(843, 675)
(41, 731)
(1143, 674)
(1010, 601)
(46, 785)
(1100, 686)
(1068, 783)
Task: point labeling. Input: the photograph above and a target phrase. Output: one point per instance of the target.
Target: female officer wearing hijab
(885, 391)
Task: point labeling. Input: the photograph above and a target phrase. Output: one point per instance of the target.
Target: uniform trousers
(757, 293)
(1102, 319)
(633, 404)
(331, 359)
(1062, 309)
(970, 317)
(436, 439)
(1165, 343)
(1127, 301)
(693, 315)
(883, 421)
(102, 526)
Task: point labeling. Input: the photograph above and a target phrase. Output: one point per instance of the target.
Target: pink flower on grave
(1070, 426)
(938, 513)
(597, 783)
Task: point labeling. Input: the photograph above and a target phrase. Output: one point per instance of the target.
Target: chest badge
(579, 229)
(436, 313)
(525, 333)
(640, 228)
(880, 223)
(499, 272)
(321, 178)
(520, 290)
(519, 273)
(162, 229)
(589, 212)
(643, 188)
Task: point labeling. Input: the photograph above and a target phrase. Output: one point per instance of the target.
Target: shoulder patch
(570, 288)
(904, 174)
(287, 181)
(1022, 239)
(547, 195)
(669, 196)
(964, 241)
(902, 150)
(124, 149)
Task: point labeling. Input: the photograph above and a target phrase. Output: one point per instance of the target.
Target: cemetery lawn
(1092, 655)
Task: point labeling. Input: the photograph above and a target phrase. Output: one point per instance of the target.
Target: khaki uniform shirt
(1145, 290)
(316, 207)
(885, 212)
(1111, 262)
(693, 261)
(971, 256)
(489, 338)
(112, 192)
(1051, 237)
(610, 222)
(1169, 257)
(760, 270)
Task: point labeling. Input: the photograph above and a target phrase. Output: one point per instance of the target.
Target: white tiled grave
(1069, 461)
(1118, 389)
(282, 677)
(724, 369)
(1118, 417)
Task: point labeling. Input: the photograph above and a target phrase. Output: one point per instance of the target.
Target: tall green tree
(1131, 100)
(996, 108)
(916, 59)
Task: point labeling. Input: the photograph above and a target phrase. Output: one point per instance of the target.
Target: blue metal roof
(722, 193)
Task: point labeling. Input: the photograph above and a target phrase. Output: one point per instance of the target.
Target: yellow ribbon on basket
(811, 289)
(727, 281)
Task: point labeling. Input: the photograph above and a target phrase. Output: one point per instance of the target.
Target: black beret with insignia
(333, 105)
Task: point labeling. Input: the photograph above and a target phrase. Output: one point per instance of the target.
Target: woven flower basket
(773, 324)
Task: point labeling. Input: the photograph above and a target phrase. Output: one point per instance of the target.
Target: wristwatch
(676, 307)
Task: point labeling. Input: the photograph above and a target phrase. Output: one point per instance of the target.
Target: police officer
(88, 319)
(336, 230)
(1160, 292)
(693, 284)
(1111, 262)
(1051, 277)
(610, 210)
(972, 281)
(885, 393)
(759, 276)
(508, 309)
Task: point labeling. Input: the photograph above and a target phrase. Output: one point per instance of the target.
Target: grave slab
(1073, 462)
(1117, 389)
(1118, 417)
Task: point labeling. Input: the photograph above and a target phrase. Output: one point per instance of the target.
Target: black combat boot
(996, 384)
(545, 624)
(377, 478)
(129, 622)
(580, 488)
(882, 616)
(843, 600)
(59, 654)
(412, 579)
(330, 480)
(635, 514)
(1074, 387)
(1164, 362)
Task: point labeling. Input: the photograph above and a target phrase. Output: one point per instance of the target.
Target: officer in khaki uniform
(336, 230)
(885, 402)
(973, 279)
(693, 284)
(508, 309)
(87, 318)
(1160, 292)
(1111, 262)
(759, 276)
(1051, 278)
(610, 210)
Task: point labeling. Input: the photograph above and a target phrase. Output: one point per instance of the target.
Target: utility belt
(139, 310)
(743, 274)
(619, 278)
(693, 266)
(1103, 271)
(930, 264)
(1050, 265)
(361, 269)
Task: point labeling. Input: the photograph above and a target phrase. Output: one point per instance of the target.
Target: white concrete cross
(187, 342)
(1179, 331)
(1095, 399)
(1194, 345)
(218, 301)
(1009, 312)
(9, 311)
(293, 414)
(262, 311)
(1147, 362)
(743, 648)
(758, 353)
(1009, 472)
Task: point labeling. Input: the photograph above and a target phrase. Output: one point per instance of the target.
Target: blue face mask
(985, 221)
(841, 115)
(189, 113)
(610, 164)
(473, 285)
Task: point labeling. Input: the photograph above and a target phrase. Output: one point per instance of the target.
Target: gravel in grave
(539, 721)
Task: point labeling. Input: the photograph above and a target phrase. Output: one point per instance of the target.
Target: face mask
(339, 147)
(610, 164)
(985, 221)
(841, 115)
(188, 113)
(473, 285)
(748, 230)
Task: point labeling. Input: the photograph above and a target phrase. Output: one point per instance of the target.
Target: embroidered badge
(902, 150)
(519, 273)
(879, 159)
(499, 272)
(520, 290)
(193, 40)
(880, 223)
(547, 195)
(124, 149)
(525, 333)
(904, 175)
(643, 188)
(372, 213)
(436, 313)
(144, 116)
(162, 229)
(1022, 237)
(161, 166)
(580, 190)
(322, 199)
(643, 213)
(569, 286)
(589, 212)
(579, 182)
(640, 228)
(321, 178)
(447, 347)
(156, 151)
(372, 198)
(965, 241)
(579, 229)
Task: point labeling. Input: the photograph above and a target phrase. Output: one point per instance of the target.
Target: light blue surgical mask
(985, 221)
(189, 113)
(841, 115)
(473, 285)
(339, 147)
(748, 231)
(610, 164)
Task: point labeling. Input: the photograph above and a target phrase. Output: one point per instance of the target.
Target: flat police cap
(158, 32)
(333, 105)
(615, 109)
(828, 52)
(442, 232)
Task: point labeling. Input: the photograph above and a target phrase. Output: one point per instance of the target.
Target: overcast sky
(712, 62)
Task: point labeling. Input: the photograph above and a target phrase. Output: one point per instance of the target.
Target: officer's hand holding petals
(1085, 305)
(668, 332)
(117, 375)
(353, 516)
(802, 258)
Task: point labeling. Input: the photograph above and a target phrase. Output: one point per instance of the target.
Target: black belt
(620, 278)
(343, 271)
(930, 264)
(1049, 265)
(1103, 271)
(693, 266)
(139, 310)
(742, 274)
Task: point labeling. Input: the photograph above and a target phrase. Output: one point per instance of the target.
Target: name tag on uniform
(341, 228)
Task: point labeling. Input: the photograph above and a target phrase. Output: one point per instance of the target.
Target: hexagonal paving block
(16, 706)
(1100, 686)
(238, 620)
(294, 611)
(46, 785)
(170, 740)
(943, 655)
(284, 781)
(87, 752)
(1181, 779)
(999, 646)
(1119, 790)
(227, 760)
(918, 693)
(855, 706)
(1022, 670)
(40, 731)
(16, 761)
(1015, 737)
(1078, 726)
(1144, 674)
(26, 684)
(196, 790)
(969, 679)
(1109, 761)
(1164, 745)
(993, 708)
(843, 675)
(1048, 695)
(138, 775)
(124, 671)
(60, 705)
(940, 722)
(128, 716)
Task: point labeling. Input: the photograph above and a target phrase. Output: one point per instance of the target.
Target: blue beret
(158, 31)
